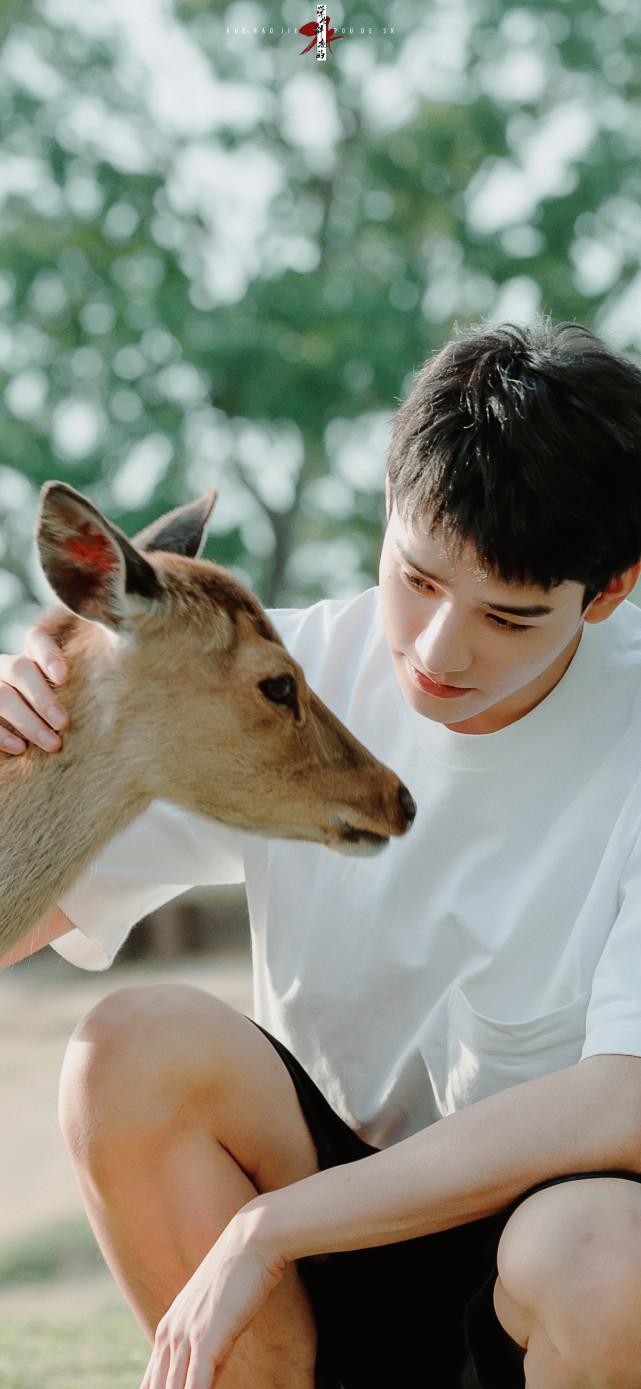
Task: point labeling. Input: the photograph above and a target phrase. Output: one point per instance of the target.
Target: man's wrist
(257, 1231)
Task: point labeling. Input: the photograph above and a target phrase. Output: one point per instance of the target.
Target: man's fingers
(146, 1384)
(151, 1381)
(167, 1368)
(21, 674)
(178, 1373)
(24, 722)
(43, 649)
(201, 1373)
(10, 743)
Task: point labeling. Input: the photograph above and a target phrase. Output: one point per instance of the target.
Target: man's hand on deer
(220, 1300)
(27, 703)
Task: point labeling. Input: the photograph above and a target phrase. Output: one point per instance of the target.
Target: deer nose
(408, 805)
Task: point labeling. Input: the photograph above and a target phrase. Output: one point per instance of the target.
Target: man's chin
(446, 711)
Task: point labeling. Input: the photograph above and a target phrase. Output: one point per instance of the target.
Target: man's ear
(388, 496)
(613, 594)
(90, 564)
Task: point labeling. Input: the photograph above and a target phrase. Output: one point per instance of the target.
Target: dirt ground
(40, 1003)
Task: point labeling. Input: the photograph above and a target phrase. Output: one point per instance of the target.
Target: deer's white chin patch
(352, 840)
(360, 848)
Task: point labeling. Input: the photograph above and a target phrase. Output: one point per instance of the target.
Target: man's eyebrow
(523, 610)
(512, 609)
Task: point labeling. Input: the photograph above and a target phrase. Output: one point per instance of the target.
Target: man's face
(470, 650)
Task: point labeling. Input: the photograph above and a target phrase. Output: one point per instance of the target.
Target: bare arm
(54, 924)
(468, 1165)
(27, 702)
(471, 1164)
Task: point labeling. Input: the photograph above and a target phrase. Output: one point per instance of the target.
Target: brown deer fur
(165, 699)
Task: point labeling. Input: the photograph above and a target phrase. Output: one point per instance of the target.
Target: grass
(99, 1353)
(63, 1323)
(70, 1329)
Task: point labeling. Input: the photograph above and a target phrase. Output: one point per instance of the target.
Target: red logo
(323, 36)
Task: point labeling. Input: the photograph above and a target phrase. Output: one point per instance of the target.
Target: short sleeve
(161, 854)
(613, 1023)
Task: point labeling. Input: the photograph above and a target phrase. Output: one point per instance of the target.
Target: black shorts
(417, 1314)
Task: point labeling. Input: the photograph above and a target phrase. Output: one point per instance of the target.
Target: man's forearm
(53, 925)
(469, 1165)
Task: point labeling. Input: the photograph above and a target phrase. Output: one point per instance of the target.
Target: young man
(464, 1011)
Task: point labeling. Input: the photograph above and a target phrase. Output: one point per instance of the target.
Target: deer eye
(280, 690)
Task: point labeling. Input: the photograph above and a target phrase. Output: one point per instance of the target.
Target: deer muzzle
(355, 840)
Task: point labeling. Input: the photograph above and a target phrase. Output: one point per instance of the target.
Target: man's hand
(220, 1300)
(26, 701)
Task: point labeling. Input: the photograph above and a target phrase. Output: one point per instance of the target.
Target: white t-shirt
(500, 939)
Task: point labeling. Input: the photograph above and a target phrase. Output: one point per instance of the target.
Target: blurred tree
(222, 260)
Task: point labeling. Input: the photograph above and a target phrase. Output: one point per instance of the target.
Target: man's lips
(432, 687)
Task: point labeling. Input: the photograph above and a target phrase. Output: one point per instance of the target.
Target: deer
(179, 688)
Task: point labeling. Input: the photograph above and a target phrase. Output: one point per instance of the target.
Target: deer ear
(181, 531)
(90, 564)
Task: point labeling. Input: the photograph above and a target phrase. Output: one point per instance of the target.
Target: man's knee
(570, 1274)
(134, 1059)
(151, 1065)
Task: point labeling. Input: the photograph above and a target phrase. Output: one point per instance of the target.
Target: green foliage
(62, 1250)
(236, 285)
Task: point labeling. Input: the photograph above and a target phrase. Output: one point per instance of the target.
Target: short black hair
(526, 442)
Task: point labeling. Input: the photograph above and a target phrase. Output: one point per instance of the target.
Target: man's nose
(442, 646)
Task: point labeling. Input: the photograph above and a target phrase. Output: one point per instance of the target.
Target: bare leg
(569, 1287)
(177, 1111)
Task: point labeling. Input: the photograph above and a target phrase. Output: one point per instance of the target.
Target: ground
(62, 1321)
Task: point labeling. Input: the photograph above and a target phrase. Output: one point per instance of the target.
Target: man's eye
(280, 689)
(508, 626)
(421, 585)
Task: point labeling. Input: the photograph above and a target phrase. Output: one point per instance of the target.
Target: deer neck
(58, 809)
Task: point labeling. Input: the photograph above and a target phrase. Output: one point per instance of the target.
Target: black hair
(526, 442)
